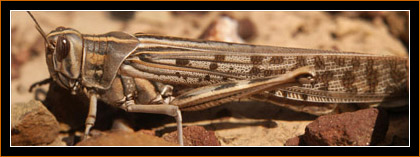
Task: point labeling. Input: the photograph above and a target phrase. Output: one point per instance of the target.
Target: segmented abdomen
(340, 76)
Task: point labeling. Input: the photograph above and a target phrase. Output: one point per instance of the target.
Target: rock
(32, 124)
(148, 132)
(59, 141)
(223, 29)
(194, 136)
(295, 141)
(121, 138)
(122, 15)
(247, 29)
(360, 128)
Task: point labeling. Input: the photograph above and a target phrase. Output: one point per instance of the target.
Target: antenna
(41, 31)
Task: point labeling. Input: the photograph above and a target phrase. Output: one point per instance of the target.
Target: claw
(48, 80)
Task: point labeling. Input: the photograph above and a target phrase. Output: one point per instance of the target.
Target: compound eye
(62, 48)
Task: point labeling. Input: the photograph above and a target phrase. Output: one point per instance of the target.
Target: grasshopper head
(64, 52)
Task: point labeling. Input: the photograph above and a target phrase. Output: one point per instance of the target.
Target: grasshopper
(116, 67)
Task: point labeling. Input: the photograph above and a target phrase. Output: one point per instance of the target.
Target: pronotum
(113, 67)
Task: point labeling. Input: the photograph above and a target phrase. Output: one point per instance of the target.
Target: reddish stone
(194, 136)
(32, 124)
(295, 141)
(360, 128)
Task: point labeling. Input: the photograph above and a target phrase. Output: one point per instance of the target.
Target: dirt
(236, 123)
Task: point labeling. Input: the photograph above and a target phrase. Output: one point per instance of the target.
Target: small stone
(122, 15)
(194, 136)
(121, 138)
(361, 128)
(223, 29)
(58, 141)
(32, 124)
(295, 141)
(64, 127)
(148, 132)
(247, 29)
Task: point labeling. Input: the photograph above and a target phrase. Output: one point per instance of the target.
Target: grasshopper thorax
(64, 53)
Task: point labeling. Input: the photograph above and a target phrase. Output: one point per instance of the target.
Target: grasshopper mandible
(114, 67)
